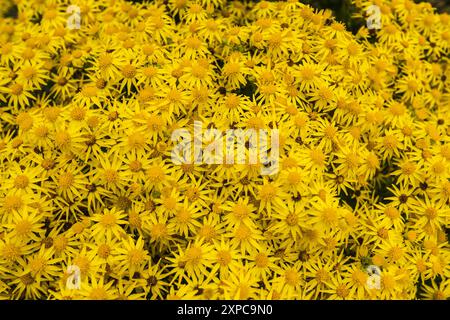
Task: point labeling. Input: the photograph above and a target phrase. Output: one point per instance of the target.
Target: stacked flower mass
(87, 180)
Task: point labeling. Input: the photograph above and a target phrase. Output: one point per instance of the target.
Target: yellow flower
(108, 224)
(130, 258)
(89, 116)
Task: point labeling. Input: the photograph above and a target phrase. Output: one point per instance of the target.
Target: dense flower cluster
(86, 177)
